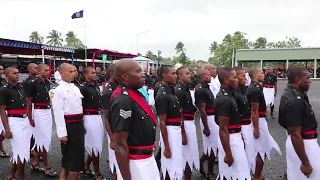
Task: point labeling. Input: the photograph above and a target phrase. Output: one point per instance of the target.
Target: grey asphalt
(273, 169)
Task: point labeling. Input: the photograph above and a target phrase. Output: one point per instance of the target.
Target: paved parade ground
(272, 171)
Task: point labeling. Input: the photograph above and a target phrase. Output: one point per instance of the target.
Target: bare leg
(20, 167)
(95, 161)
(187, 172)
(1, 141)
(211, 163)
(259, 167)
(87, 163)
(13, 171)
(44, 155)
(74, 175)
(64, 174)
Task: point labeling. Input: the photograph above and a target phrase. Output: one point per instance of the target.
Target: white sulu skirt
(247, 134)
(144, 169)
(43, 129)
(1, 127)
(190, 151)
(174, 166)
(93, 139)
(112, 158)
(269, 95)
(265, 143)
(312, 149)
(239, 170)
(210, 142)
(151, 97)
(20, 141)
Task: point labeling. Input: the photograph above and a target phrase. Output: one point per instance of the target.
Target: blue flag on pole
(77, 15)
(72, 61)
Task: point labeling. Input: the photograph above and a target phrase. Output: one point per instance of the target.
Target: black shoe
(272, 116)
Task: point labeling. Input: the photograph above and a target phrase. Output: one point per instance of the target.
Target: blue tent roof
(140, 58)
(19, 44)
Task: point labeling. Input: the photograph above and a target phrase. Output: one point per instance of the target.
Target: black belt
(309, 136)
(235, 130)
(42, 107)
(173, 123)
(91, 113)
(245, 122)
(141, 151)
(262, 115)
(18, 115)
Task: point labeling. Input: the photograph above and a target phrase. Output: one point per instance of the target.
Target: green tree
(261, 43)
(213, 46)
(289, 42)
(139, 54)
(73, 41)
(224, 51)
(54, 38)
(183, 59)
(149, 54)
(35, 37)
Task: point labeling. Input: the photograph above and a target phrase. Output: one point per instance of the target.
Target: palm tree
(73, 41)
(260, 43)
(149, 54)
(54, 38)
(35, 37)
(213, 46)
(180, 48)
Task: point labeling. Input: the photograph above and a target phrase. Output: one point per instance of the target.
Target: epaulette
(124, 92)
(55, 86)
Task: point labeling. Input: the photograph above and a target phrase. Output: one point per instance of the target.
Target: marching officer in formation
(3, 82)
(270, 89)
(92, 105)
(188, 128)
(40, 117)
(297, 117)
(133, 125)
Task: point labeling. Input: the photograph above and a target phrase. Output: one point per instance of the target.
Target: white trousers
(94, 134)
(43, 129)
(20, 142)
(174, 165)
(239, 170)
(312, 149)
(190, 151)
(144, 169)
(210, 142)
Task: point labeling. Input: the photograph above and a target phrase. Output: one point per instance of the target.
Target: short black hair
(87, 69)
(295, 72)
(8, 69)
(41, 66)
(179, 70)
(111, 68)
(253, 70)
(238, 69)
(164, 69)
(223, 73)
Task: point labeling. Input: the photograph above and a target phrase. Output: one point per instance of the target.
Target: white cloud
(115, 24)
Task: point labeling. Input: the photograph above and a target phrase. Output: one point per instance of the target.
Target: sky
(114, 24)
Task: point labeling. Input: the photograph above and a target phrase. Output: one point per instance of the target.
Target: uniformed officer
(270, 89)
(169, 112)
(133, 125)
(233, 162)
(76, 75)
(33, 72)
(112, 85)
(210, 130)
(151, 80)
(40, 116)
(17, 128)
(3, 153)
(192, 85)
(67, 109)
(214, 82)
(189, 152)
(297, 117)
(263, 142)
(156, 89)
(93, 123)
(245, 113)
(101, 78)
(80, 77)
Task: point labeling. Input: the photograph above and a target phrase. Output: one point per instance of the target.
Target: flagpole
(85, 39)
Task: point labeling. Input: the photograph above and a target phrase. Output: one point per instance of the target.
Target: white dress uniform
(215, 85)
(57, 77)
(67, 109)
(248, 79)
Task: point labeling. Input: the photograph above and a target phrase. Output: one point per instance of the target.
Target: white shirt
(215, 85)
(248, 79)
(57, 77)
(66, 99)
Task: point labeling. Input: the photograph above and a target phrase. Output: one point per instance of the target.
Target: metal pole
(261, 64)
(42, 51)
(138, 40)
(232, 63)
(85, 40)
(287, 64)
(315, 68)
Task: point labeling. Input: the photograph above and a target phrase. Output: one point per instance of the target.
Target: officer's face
(44, 72)
(304, 81)
(233, 80)
(13, 75)
(185, 75)
(241, 75)
(75, 72)
(136, 76)
(68, 73)
(92, 75)
(260, 75)
(206, 77)
(1, 70)
(171, 76)
(98, 69)
(34, 70)
(80, 68)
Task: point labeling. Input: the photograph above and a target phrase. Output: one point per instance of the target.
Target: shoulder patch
(125, 92)
(51, 94)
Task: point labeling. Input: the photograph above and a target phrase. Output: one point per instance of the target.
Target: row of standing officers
(234, 125)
